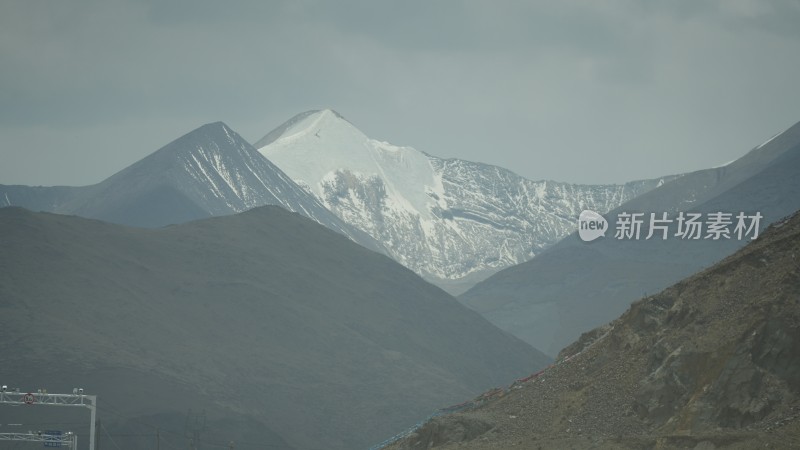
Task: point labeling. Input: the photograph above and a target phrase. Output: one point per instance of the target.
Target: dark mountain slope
(575, 286)
(712, 362)
(38, 198)
(262, 318)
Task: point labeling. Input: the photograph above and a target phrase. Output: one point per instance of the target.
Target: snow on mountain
(210, 171)
(213, 168)
(449, 220)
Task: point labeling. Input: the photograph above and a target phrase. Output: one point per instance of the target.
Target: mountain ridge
(209, 171)
(606, 275)
(449, 220)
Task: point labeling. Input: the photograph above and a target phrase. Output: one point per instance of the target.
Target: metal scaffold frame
(77, 398)
(67, 438)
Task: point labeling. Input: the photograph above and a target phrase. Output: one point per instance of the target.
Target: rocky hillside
(711, 362)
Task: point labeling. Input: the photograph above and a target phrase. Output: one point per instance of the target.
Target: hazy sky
(590, 91)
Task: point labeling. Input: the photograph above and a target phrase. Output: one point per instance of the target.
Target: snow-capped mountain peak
(331, 153)
(300, 124)
(217, 170)
(448, 220)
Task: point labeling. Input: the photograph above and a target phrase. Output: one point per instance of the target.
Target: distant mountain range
(307, 340)
(712, 362)
(575, 286)
(454, 222)
(287, 334)
(210, 171)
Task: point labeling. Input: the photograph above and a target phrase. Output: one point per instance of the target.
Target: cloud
(546, 88)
